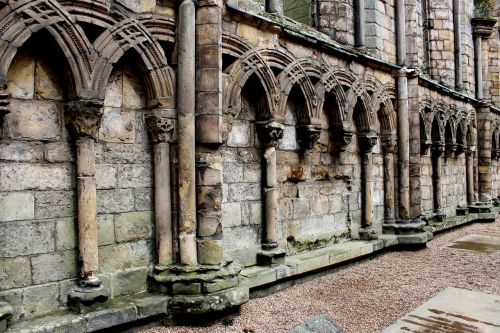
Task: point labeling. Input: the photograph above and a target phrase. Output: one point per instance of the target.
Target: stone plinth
(202, 289)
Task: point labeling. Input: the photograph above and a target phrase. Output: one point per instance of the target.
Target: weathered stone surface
(318, 324)
(54, 266)
(16, 206)
(14, 273)
(58, 152)
(105, 229)
(54, 204)
(244, 192)
(34, 120)
(115, 201)
(105, 175)
(239, 237)
(66, 234)
(40, 300)
(16, 151)
(130, 281)
(116, 153)
(117, 126)
(25, 238)
(126, 255)
(134, 226)
(35, 177)
(231, 214)
(133, 176)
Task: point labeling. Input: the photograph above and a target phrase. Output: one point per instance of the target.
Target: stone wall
(298, 10)
(468, 71)
(38, 247)
(381, 29)
(334, 19)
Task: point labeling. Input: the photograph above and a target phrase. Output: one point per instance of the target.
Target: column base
(438, 217)
(201, 289)
(275, 256)
(368, 233)
(496, 202)
(481, 207)
(404, 227)
(462, 211)
(6, 310)
(85, 299)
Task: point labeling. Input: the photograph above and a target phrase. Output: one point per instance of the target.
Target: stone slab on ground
(453, 310)
(318, 324)
(477, 243)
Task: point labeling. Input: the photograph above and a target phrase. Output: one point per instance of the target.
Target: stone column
(469, 169)
(400, 32)
(186, 135)
(389, 147)
(83, 118)
(457, 30)
(438, 149)
(161, 129)
(270, 133)
(360, 23)
(414, 147)
(274, 6)
(403, 145)
(366, 143)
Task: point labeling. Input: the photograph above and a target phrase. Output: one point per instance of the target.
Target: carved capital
(308, 135)
(438, 148)
(342, 136)
(367, 141)
(83, 117)
(160, 128)
(425, 146)
(483, 27)
(461, 148)
(389, 143)
(271, 133)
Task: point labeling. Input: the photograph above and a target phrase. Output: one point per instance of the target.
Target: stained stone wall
(454, 186)
(467, 43)
(381, 29)
(298, 10)
(335, 20)
(426, 185)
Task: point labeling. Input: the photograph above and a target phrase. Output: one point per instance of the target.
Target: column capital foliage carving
(483, 26)
(83, 117)
(367, 141)
(160, 127)
(389, 143)
(271, 132)
(308, 135)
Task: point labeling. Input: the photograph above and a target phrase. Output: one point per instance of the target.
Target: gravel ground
(369, 296)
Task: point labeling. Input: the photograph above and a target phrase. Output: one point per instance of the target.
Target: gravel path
(369, 296)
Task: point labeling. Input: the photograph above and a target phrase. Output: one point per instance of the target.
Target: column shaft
(271, 195)
(458, 44)
(414, 148)
(400, 32)
(87, 212)
(438, 193)
(389, 186)
(367, 158)
(404, 147)
(478, 56)
(469, 169)
(163, 204)
(186, 125)
(484, 153)
(360, 18)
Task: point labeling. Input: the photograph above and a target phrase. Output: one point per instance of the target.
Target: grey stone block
(40, 300)
(57, 152)
(130, 281)
(14, 273)
(123, 256)
(21, 151)
(133, 176)
(35, 177)
(24, 238)
(16, 206)
(115, 201)
(55, 204)
(134, 226)
(318, 324)
(54, 266)
(105, 229)
(66, 233)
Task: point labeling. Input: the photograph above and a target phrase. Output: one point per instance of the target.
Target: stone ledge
(118, 311)
(302, 263)
(450, 223)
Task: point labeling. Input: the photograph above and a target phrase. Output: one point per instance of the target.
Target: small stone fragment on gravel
(318, 324)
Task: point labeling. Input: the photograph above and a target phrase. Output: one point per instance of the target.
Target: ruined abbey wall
(177, 150)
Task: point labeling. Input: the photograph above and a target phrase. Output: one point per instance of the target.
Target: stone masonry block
(25, 238)
(134, 226)
(16, 151)
(40, 300)
(16, 206)
(35, 177)
(54, 266)
(34, 120)
(105, 229)
(14, 273)
(126, 255)
(66, 234)
(130, 281)
(115, 201)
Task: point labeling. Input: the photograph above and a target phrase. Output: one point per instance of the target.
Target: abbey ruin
(167, 158)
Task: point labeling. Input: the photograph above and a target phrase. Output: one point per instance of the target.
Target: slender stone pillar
(438, 150)
(366, 143)
(161, 129)
(360, 23)
(270, 133)
(414, 147)
(457, 30)
(401, 32)
(389, 147)
(186, 127)
(83, 118)
(404, 146)
(469, 169)
(478, 56)
(274, 6)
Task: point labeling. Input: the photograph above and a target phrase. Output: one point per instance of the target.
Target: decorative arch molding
(239, 72)
(234, 45)
(358, 93)
(21, 19)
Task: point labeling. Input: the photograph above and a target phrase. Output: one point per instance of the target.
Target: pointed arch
(20, 19)
(359, 94)
(238, 74)
(128, 34)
